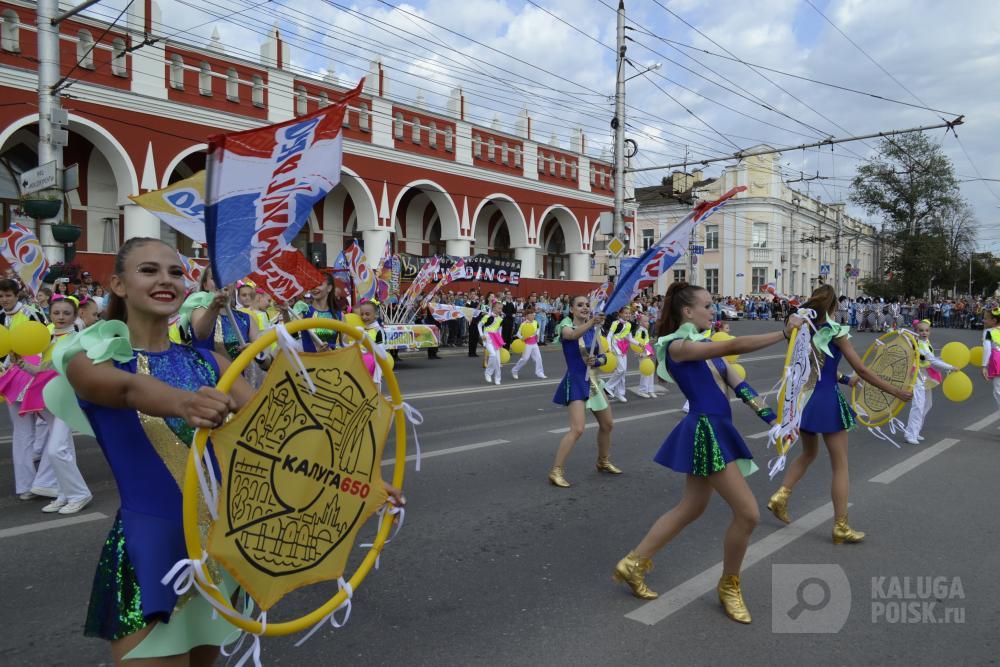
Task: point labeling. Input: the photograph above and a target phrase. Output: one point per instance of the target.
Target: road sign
(39, 178)
(616, 247)
(698, 250)
(824, 269)
(71, 178)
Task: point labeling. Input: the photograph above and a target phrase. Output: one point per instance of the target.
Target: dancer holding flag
(580, 389)
(705, 445)
(828, 413)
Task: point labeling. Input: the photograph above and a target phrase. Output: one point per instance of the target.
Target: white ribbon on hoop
(393, 510)
(206, 479)
(416, 419)
(331, 617)
(290, 347)
(253, 652)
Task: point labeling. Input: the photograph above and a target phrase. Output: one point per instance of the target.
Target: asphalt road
(496, 567)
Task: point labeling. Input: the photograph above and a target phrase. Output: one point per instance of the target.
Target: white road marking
(449, 450)
(618, 420)
(755, 436)
(923, 456)
(684, 594)
(983, 423)
(52, 523)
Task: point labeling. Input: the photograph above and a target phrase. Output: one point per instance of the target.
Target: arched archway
(349, 210)
(500, 230)
(419, 208)
(561, 241)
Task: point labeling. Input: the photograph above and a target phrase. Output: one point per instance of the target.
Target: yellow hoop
(192, 536)
(863, 419)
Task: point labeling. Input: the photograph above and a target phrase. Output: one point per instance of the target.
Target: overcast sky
(553, 57)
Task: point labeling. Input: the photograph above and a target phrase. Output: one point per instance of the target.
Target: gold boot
(844, 533)
(604, 464)
(632, 570)
(778, 504)
(557, 478)
(731, 598)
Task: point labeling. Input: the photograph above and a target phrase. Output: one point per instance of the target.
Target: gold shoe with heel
(842, 532)
(557, 478)
(778, 504)
(731, 598)
(632, 570)
(604, 464)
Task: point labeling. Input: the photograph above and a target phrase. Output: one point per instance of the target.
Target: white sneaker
(46, 491)
(912, 441)
(623, 399)
(643, 394)
(920, 438)
(76, 506)
(609, 392)
(496, 380)
(27, 495)
(513, 374)
(542, 377)
(54, 506)
(488, 377)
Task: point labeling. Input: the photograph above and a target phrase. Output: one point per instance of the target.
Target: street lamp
(651, 68)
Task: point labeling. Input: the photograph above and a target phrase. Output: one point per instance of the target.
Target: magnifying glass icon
(800, 597)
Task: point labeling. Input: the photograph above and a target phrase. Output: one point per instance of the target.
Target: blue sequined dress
(575, 385)
(226, 334)
(328, 336)
(147, 456)
(705, 440)
(827, 411)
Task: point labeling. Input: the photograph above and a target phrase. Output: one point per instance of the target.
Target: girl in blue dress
(705, 445)
(580, 389)
(828, 413)
(205, 320)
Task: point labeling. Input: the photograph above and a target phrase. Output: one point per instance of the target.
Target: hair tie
(916, 323)
(925, 321)
(75, 300)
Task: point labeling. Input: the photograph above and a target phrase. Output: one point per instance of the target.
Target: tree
(911, 185)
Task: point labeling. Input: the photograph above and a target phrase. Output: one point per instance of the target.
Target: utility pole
(618, 124)
(48, 75)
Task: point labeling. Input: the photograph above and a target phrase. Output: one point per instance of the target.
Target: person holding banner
(528, 332)
(489, 333)
(208, 317)
(827, 413)
(580, 389)
(705, 446)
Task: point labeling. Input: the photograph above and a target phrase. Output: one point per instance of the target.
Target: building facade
(769, 233)
(141, 107)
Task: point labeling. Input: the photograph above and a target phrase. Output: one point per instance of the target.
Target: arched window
(257, 94)
(232, 85)
(491, 147)
(415, 137)
(10, 35)
(432, 135)
(324, 99)
(541, 163)
(85, 49)
(477, 146)
(176, 72)
(562, 168)
(572, 171)
(449, 139)
(552, 165)
(205, 79)
(364, 118)
(118, 65)
(593, 177)
(505, 153)
(397, 126)
(517, 156)
(302, 101)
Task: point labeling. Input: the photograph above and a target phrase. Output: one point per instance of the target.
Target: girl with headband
(928, 377)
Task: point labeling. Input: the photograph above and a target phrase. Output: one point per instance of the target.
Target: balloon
(742, 372)
(29, 338)
(975, 354)
(517, 347)
(610, 365)
(504, 355)
(353, 320)
(647, 367)
(731, 358)
(957, 386)
(956, 354)
(722, 335)
(638, 349)
(603, 343)
(5, 342)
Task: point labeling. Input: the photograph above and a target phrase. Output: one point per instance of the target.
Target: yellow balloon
(610, 365)
(29, 338)
(504, 355)
(603, 342)
(957, 386)
(731, 358)
(975, 354)
(956, 354)
(517, 347)
(647, 367)
(636, 348)
(5, 342)
(742, 372)
(353, 320)
(722, 335)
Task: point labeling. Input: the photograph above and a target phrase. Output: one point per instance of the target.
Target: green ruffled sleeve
(826, 333)
(686, 331)
(566, 322)
(104, 341)
(194, 301)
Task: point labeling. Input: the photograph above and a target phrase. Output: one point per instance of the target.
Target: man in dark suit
(474, 302)
(507, 328)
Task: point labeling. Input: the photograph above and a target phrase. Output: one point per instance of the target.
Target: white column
(334, 243)
(140, 222)
(579, 266)
(374, 243)
(281, 95)
(458, 247)
(53, 251)
(527, 255)
(382, 122)
(463, 143)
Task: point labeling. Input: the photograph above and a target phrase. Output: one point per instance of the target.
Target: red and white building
(428, 182)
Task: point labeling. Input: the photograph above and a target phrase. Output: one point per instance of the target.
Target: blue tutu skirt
(827, 412)
(573, 387)
(704, 444)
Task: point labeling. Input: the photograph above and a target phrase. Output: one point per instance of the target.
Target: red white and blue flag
(261, 187)
(663, 254)
(20, 247)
